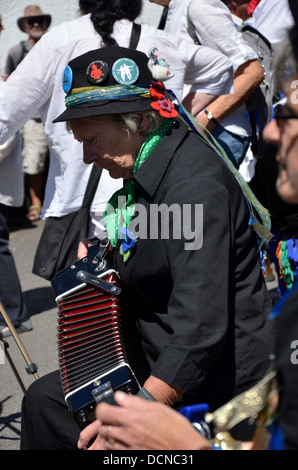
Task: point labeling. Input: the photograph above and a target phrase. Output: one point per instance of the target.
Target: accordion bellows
(89, 336)
(91, 352)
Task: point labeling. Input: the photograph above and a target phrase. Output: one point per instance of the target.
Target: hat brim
(21, 21)
(96, 108)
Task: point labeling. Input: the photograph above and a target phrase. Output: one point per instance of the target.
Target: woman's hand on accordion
(138, 424)
(83, 248)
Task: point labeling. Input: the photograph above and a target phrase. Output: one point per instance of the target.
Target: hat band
(89, 94)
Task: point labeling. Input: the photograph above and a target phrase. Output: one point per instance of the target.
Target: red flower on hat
(157, 90)
(159, 102)
(165, 108)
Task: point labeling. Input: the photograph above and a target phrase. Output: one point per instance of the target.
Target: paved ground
(40, 343)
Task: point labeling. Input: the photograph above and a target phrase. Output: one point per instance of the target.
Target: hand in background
(138, 424)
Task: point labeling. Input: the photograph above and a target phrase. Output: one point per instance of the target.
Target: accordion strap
(91, 186)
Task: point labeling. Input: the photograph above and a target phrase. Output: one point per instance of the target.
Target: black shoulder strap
(92, 186)
(163, 18)
(135, 36)
(24, 51)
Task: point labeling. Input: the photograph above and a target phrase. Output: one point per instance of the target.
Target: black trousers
(46, 422)
(11, 294)
(48, 425)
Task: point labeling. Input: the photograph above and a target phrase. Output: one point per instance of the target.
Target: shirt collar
(153, 169)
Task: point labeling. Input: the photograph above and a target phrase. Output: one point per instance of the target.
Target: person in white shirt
(273, 18)
(11, 195)
(34, 142)
(210, 23)
(238, 9)
(37, 85)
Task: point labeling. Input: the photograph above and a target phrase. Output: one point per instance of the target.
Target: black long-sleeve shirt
(202, 313)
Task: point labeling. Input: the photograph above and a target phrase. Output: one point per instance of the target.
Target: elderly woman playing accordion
(182, 231)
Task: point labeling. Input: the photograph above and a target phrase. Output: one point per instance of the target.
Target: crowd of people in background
(207, 329)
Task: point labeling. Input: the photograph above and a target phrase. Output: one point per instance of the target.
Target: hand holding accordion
(92, 358)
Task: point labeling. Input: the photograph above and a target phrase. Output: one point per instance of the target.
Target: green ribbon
(115, 213)
(104, 93)
(287, 271)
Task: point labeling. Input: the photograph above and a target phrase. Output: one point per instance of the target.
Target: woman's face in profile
(283, 131)
(107, 144)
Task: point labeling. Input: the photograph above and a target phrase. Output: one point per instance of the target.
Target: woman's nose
(89, 156)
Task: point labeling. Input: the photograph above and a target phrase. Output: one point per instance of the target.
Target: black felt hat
(106, 81)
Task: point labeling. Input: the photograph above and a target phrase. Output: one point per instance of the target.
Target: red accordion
(91, 352)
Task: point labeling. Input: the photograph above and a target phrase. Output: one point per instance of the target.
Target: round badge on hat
(67, 79)
(125, 71)
(97, 71)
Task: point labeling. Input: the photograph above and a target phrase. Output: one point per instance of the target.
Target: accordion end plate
(82, 402)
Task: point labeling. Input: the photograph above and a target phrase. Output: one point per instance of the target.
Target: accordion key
(91, 352)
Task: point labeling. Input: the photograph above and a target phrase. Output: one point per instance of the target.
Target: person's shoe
(34, 213)
(5, 332)
(25, 326)
(22, 328)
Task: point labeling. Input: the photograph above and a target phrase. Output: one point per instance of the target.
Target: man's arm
(247, 78)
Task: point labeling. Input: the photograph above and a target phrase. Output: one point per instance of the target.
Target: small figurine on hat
(159, 67)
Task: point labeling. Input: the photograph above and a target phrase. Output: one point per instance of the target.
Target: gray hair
(130, 122)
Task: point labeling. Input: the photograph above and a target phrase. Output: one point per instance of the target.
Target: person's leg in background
(235, 146)
(35, 151)
(11, 295)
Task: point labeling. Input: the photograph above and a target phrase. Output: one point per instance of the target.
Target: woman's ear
(143, 122)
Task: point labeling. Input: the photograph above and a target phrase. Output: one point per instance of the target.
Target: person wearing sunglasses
(35, 146)
(34, 23)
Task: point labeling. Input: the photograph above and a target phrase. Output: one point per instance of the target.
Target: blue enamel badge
(67, 79)
(125, 71)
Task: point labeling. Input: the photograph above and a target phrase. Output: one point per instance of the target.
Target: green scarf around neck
(114, 215)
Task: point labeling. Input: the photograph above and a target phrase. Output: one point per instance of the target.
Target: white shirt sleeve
(206, 70)
(273, 18)
(25, 90)
(209, 71)
(214, 27)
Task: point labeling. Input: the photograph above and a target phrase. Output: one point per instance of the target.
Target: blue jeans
(234, 145)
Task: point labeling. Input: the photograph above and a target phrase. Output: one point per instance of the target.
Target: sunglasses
(281, 111)
(35, 19)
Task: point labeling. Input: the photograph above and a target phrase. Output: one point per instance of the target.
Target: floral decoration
(164, 106)
(157, 90)
(128, 242)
